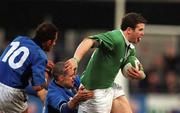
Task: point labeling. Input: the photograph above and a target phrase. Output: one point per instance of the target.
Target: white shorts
(102, 101)
(12, 100)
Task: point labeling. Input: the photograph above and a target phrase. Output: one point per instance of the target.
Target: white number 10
(13, 52)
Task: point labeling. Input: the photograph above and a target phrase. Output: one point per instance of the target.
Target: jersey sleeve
(38, 69)
(105, 39)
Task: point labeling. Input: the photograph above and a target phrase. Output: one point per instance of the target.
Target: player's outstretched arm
(42, 94)
(81, 50)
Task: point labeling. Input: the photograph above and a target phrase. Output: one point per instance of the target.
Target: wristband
(76, 60)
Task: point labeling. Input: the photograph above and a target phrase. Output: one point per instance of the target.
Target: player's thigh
(101, 103)
(12, 100)
(118, 90)
(121, 105)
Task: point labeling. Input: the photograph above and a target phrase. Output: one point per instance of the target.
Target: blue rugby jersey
(58, 95)
(22, 59)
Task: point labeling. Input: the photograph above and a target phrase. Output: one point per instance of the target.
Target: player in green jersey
(112, 48)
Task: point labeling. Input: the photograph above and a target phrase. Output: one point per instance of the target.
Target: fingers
(49, 67)
(90, 94)
(50, 64)
(84, 94)
(140, 67)
(133, 73)
(81, 88)
(87, 95)
(67, 64)
(70, 64)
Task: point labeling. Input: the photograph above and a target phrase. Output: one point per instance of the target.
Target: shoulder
(27, 42)
(34, 49)
(113, 33)
(42, 53)
(37, 52)
(54, 87)
(23, 39)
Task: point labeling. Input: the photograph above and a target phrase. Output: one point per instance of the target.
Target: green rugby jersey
(106, 60)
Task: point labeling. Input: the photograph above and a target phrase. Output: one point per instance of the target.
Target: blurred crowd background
(158, 52)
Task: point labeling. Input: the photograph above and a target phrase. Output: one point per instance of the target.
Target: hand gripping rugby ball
(132, 61)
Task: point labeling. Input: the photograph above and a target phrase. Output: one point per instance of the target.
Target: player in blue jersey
(35, 105)
(22, 60)
(64, 93)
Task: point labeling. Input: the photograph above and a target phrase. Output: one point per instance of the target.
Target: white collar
(126, 41)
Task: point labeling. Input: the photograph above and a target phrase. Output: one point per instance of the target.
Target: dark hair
(131, 20)
(45, 31)
(58, 70)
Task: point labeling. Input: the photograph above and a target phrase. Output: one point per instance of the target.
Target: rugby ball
(130, 62)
